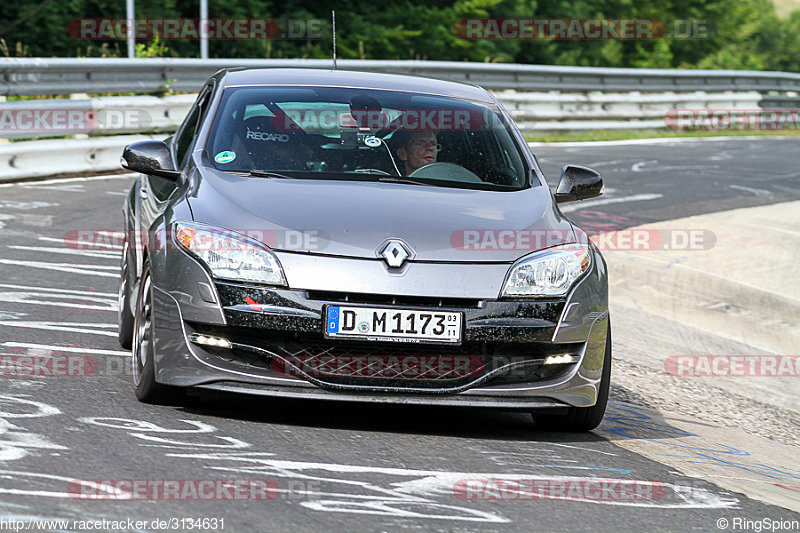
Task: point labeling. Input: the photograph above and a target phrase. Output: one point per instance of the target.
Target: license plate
(398, 325)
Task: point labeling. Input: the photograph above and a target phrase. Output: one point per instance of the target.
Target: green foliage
(17, 50)
(741, 34)
(156, 48)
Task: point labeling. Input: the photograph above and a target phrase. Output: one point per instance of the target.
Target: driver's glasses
(425, 144)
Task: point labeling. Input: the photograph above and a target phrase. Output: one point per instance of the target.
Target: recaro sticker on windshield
(261, 136)
(225, 157)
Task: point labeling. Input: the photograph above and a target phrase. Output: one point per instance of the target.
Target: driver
(419, 149)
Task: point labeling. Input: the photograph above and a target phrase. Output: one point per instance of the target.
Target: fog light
(208, 340)
(560, 359)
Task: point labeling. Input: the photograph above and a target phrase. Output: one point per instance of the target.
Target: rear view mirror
(578, 183)
(150, 157)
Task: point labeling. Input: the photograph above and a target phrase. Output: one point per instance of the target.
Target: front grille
(387, 364)
(381, 299)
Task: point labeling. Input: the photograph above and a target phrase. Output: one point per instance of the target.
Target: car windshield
(364, 134)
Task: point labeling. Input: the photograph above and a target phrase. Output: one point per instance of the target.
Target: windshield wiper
(385, 179)
(402, 180)
(268, 174)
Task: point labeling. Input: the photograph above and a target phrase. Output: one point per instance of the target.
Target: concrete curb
(740, 288)
(742, 313)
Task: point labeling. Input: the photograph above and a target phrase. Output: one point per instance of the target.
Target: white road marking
(40, 221)
(150, 427)
(39, 351)
(66, 267)
(75, 187)
(38, 410)
(428, 484)
(93, 246)
(14, 440)
(414, 494)
(5, 217)
(73, 327)
(85, 301)
(147, 427)
(757, 192)
(59, 481)
(641, 166)
(581, 448)
(117, 193)
(59, 291)
(614, 162)
(9, 315)
(84, 253)
(78, 179)
(75, 349)
(112, 233)
(365, 489)
(603, 201)
(25, 205)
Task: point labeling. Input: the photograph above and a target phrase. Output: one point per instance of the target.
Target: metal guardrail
(537, 111)
(45, 76)
(103, 115)
(533, 112)
(540, 98)
(27, 159)
(541, 112)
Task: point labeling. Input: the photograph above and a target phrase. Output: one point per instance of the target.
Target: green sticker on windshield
(225, 157)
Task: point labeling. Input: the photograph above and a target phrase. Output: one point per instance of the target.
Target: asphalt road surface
(669, 180)
(327, 465)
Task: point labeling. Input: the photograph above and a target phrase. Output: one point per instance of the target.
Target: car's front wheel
(144, 382)
(581, 419)
(124, 315)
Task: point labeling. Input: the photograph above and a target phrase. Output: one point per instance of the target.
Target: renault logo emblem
(395, 254)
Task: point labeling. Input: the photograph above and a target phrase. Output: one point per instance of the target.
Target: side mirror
(150, 157)
(578, 183)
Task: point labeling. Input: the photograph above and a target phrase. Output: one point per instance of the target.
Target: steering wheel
(445, 171)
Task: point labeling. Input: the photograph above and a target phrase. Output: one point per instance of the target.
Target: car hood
(356, 219)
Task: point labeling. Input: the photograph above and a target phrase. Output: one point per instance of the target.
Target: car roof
(350, 78)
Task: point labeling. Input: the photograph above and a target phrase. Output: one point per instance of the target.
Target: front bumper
(271, 328)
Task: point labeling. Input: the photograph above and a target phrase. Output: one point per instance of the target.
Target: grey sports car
(353, 236)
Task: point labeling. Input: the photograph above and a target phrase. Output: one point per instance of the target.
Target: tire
(145, 387)
(582, 419)
(124, 315)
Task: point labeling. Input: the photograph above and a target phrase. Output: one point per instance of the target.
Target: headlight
(550, 272)
(230, 255)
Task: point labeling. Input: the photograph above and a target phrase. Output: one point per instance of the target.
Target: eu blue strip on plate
(332, 319)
